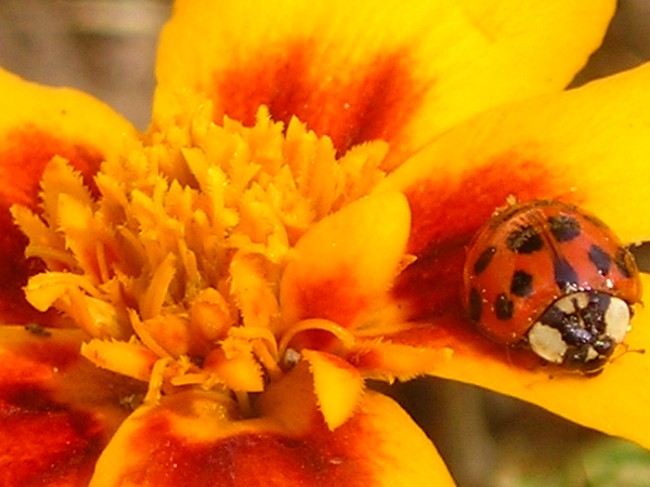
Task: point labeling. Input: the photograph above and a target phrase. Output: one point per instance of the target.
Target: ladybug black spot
(553, 317)
(524, 240)
(503, 307)
(484, 260)
(624, 263)
(563, 227)
(576, 357)
(566, 276)
(521, 284)
(604, 346)
(475, 305)
(600, 259)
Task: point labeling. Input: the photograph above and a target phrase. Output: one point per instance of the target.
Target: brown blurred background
(107, 48)
(104, 47)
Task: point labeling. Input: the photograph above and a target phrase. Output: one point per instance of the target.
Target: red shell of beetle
(530, 254)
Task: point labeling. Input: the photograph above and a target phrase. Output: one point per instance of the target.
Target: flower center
(173, 268)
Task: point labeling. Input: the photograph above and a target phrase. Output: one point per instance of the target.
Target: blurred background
(104, 47)
(107, 48)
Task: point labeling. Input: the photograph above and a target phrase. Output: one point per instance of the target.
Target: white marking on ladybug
(576, 317)
(617, 319)
(547, 342)
(576, 302)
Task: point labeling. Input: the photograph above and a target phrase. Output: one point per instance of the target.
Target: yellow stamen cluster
(172, 265)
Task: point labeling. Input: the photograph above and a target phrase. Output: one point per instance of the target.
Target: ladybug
(554, 278)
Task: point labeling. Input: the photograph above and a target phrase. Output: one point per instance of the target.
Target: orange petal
(401, 71)
(329, 276)
(57, 410)
(196, 438)
(37, 123)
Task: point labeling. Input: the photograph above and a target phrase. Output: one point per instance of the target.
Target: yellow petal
(401, 71)
(337, 385)
(37, 123)
(197, 438)
(615, 402)
(236, 368)
(58, 411)
(329, 276)
(385, 360)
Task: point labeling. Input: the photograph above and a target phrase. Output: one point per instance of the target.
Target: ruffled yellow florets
(172, 263)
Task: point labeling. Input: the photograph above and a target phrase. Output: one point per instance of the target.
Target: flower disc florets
(172, 262)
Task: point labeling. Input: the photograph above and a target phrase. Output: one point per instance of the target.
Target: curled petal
(401, 71)
(96, 316)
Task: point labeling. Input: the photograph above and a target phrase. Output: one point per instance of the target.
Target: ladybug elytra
(553, 277)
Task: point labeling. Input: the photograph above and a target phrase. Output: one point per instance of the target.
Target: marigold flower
(204, 302)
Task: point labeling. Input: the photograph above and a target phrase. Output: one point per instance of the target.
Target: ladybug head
(581, 330)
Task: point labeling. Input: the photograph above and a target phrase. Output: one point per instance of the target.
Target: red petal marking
(43, 442)
(445, 217)
(334, 299)
(38, 362)
(24, 153)
(448, 212)
(349, 103)
(253, 459)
